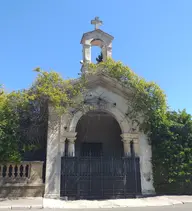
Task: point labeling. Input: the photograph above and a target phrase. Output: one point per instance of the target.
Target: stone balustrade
(15, 171)
(20, 179)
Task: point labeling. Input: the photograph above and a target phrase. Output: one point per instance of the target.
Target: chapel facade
(97, 153)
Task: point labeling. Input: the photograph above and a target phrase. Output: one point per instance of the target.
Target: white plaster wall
(146, 166)
(53, 160)
(111, 97)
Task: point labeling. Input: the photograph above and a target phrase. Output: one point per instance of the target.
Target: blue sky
(154, 38)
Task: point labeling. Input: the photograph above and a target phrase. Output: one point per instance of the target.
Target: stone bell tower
(99, 38)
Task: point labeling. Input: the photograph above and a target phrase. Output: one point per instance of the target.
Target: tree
(24, 114)
(172, 153)
(9, 138)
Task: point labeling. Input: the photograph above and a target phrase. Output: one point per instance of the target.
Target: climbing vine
(148, 101)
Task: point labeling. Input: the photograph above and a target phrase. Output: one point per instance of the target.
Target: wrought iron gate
(100, 177)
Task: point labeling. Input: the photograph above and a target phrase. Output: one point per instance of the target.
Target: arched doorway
(98, 168)
(98, 133)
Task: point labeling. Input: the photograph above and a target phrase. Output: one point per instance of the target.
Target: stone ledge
(130, 136)
(21, 185)
(22, 191)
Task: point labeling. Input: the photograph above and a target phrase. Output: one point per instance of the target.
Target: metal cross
(97, 22)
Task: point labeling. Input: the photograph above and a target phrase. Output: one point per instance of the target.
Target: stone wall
(21, 180)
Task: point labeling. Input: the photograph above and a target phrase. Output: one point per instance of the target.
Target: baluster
(18, 171)
(24, 170)
(13, 170)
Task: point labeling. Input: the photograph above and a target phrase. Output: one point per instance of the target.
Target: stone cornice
(69, 135)
(93, 33)
(130, 136)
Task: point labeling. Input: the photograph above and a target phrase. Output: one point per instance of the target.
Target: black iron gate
(100, 177)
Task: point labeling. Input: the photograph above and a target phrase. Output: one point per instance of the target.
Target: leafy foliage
(148, 100)
(8, 129)
(24, 114)
(172, 153)
(100, 58)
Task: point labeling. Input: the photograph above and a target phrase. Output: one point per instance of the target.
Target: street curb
(5, 207)
(21, 207)
(84, 204)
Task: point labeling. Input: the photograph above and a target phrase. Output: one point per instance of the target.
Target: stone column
(53, 160)
(86, 53)
(136, 146)
(71, 147)
(71, 137)
(127, 138)
(104, 52)
(127, 148)
(109, 51)
(126, 144)
(62, 146)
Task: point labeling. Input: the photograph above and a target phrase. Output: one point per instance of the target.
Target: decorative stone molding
(71, 140)
(130, 136)
(71, 146)
(127, 138)
(70, 135)
(126, 147)
(62, 146)
(115, 112)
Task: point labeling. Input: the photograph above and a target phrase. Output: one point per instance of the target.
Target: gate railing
(100, 177)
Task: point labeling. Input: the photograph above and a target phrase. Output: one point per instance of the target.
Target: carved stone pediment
(108, 83)
(97, 34)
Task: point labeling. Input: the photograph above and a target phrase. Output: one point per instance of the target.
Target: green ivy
(148, 101)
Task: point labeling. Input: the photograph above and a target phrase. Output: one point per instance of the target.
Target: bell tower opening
(96, 55)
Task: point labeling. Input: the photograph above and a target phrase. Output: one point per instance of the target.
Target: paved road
(185, 207)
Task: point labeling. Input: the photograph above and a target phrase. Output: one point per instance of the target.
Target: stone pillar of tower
(99, 38)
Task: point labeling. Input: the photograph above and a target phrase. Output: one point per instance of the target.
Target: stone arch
(113, 111)
(97, 42)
